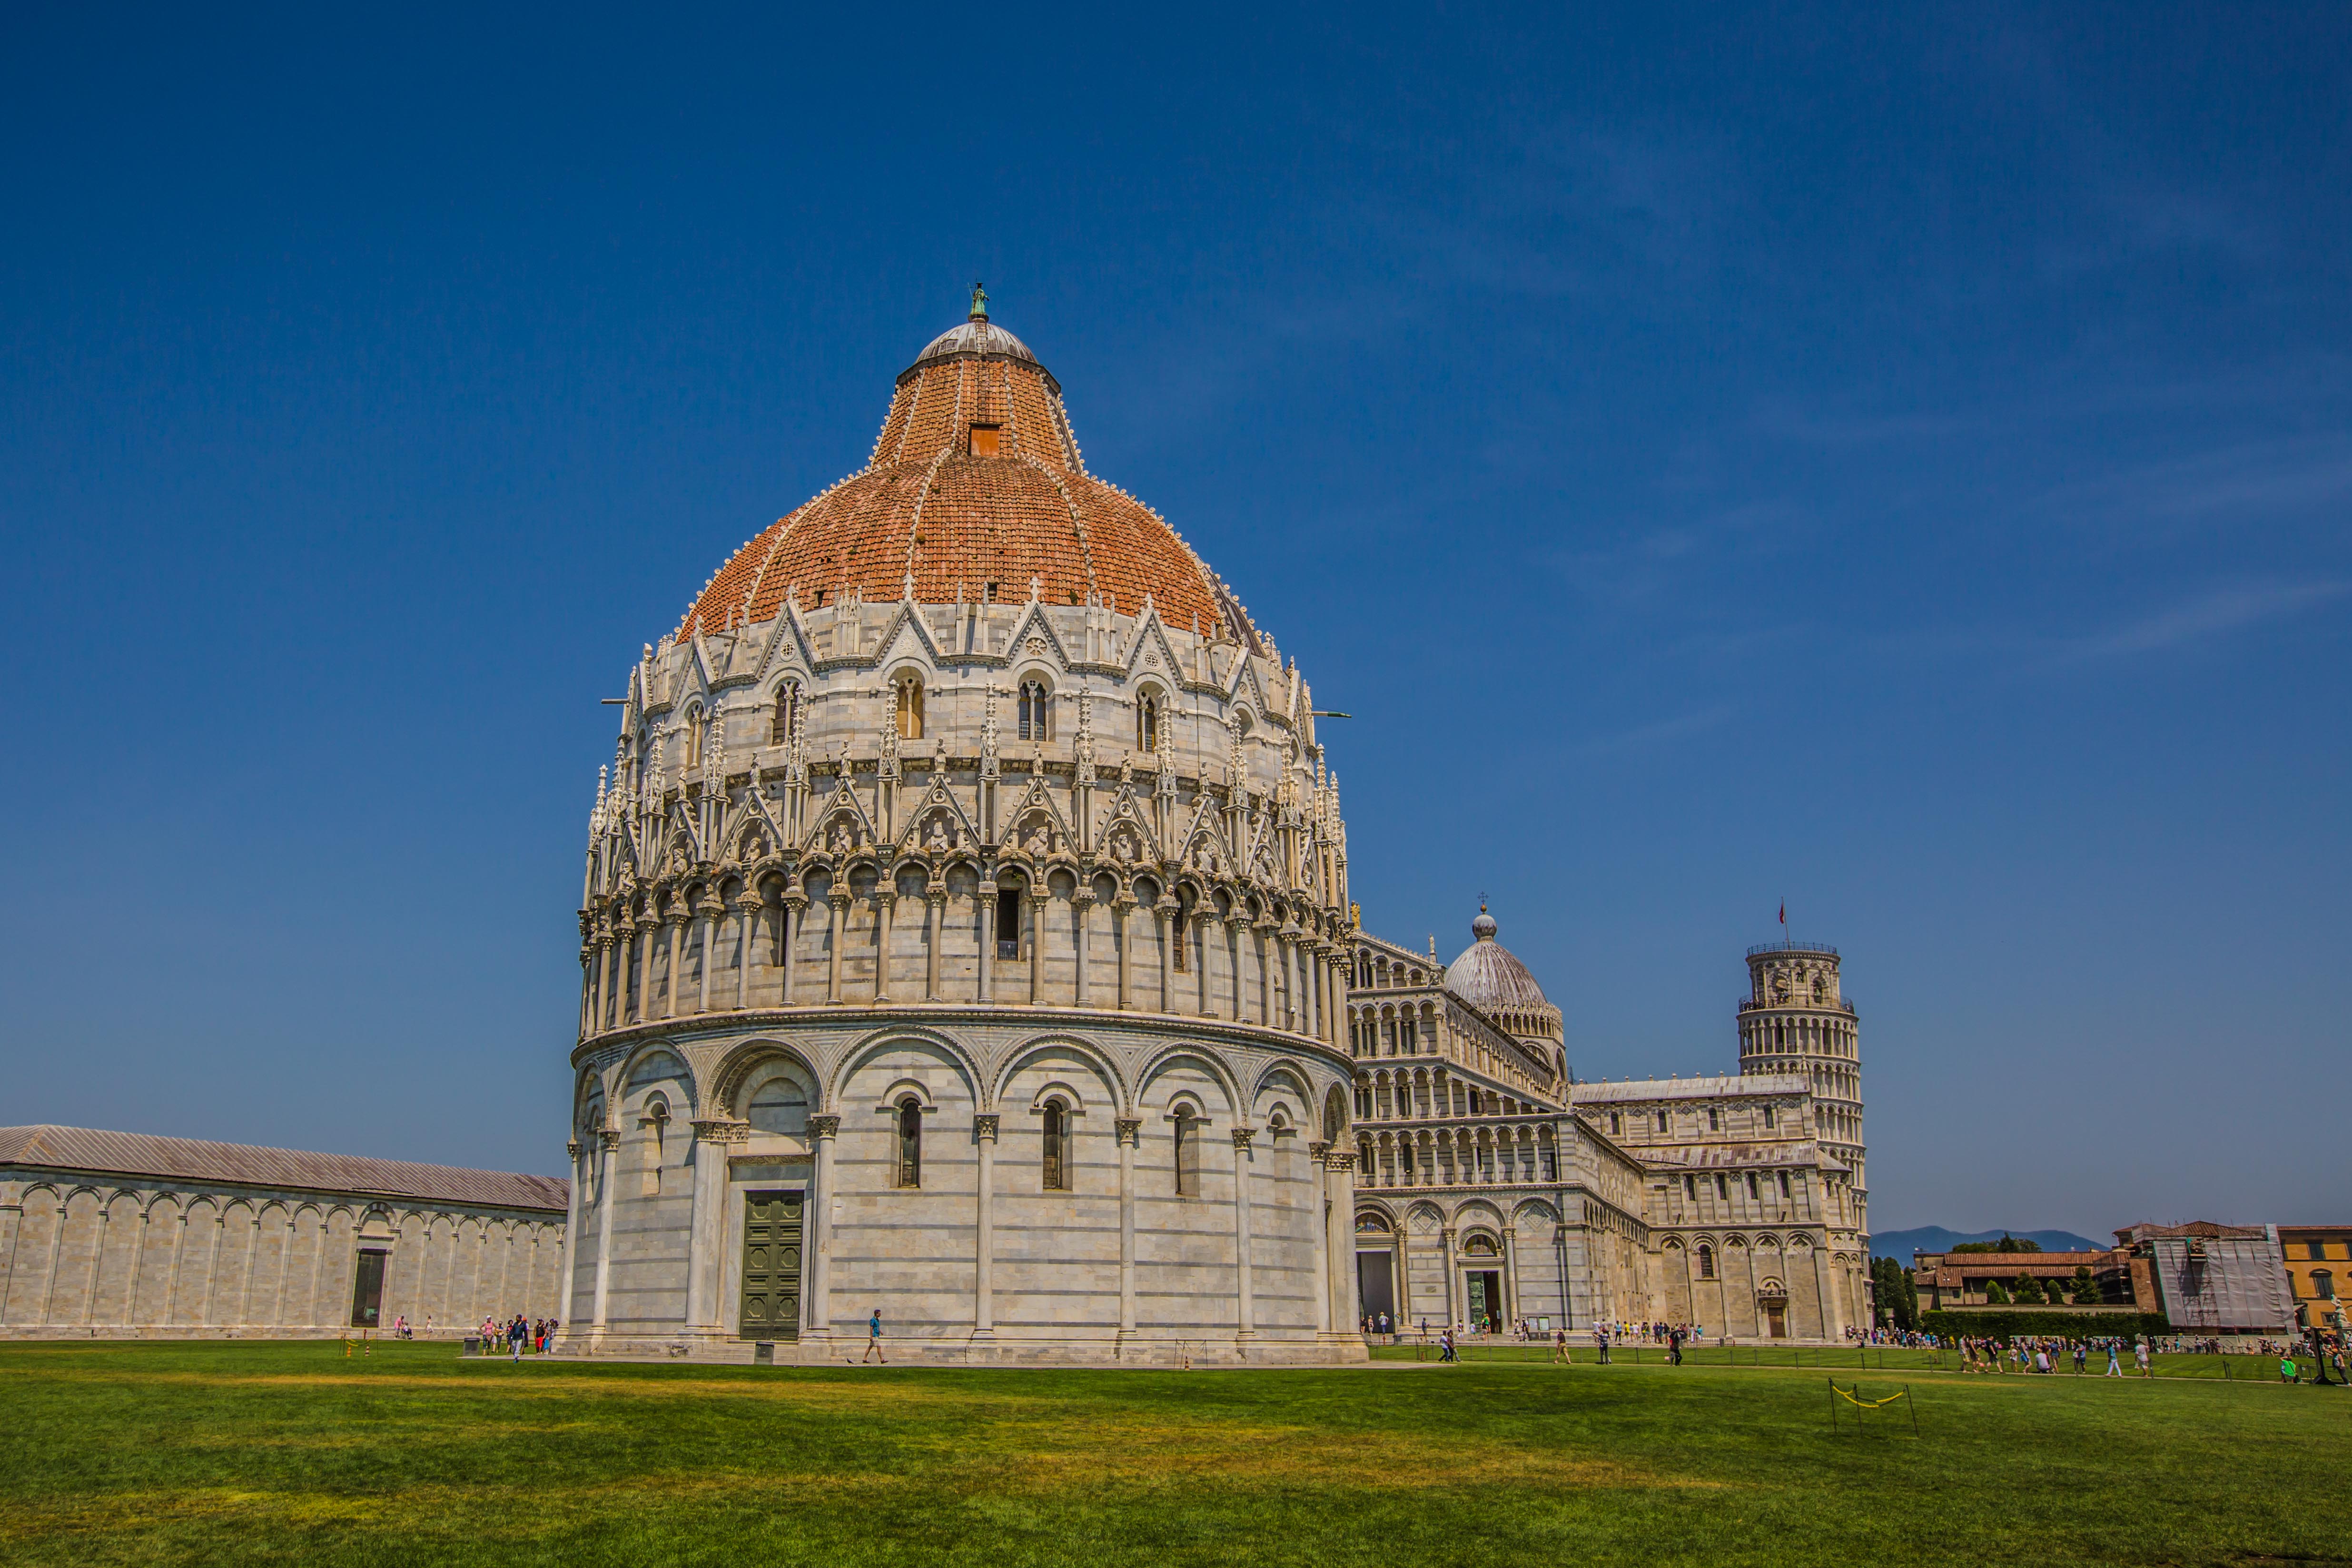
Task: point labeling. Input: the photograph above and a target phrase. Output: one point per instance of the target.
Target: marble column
(708, 922)
(179, 1250)
(1245, 1293)
(1207, 925)
(1037, 902)
(987, 895)
(1453, 1275)
(1130, 1130)
(1121, 935)
(675, 924)
(788, 936)
(1320, 1153)
(571, 1235)
(245, 1289)
(1164, 927)
(1510, 1272)
(705, 1243)
(642, 947)
(747, 927)
(607, 1140)
(983, 1307)
(935, 910)
(819, 1310)
(838, 903)
(1082, 902)
(1237, 943)
(886, 905)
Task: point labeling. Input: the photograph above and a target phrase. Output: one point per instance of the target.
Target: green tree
(2028, 1291)
(1994, 1295)
(2086, 1292)
(1895, 1293)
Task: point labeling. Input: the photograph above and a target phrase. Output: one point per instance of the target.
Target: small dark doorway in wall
(367, 1288)
(1485, 1301)
(1376, 1286)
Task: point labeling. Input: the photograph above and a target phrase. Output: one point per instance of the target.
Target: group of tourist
(2044, 1355)
(519, 1333)
(1909, 1339)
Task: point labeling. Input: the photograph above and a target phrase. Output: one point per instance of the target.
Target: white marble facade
(1493, 1188)
(123, 1235)
(813, 906)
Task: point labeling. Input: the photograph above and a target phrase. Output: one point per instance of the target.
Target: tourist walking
(1560, 1348)
(1445, 1346)
(1600, 1341)
(2139, 1354)
(874, 1340)
(2114, 1367)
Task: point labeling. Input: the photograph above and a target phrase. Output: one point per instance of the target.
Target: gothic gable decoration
(938, 824)
(1125, 834)
(1037, 827)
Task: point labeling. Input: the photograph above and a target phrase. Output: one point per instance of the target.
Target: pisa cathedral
(965, 935)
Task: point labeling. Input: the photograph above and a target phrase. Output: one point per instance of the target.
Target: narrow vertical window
(1616, 1123)
(1705, 1262)
(1690, 1188)
(1722, 1187)
(1057, 1148)
(911, 1143)
(656, 1123)
(1784, 1184)
(1768, 1117)
(1662, 1121)
(1714, 1122)
(785, 722)
(910, 707)
(1188, 1154)
(1032, 711)
(1147, 722)
(1751, 1184)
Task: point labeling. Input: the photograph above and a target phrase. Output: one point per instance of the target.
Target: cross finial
(979, 301)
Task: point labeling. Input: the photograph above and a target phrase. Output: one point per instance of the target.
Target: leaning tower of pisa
(1794, 1021)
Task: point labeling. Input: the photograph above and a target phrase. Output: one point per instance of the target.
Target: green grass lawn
(158, 1454)
(1848, 1359)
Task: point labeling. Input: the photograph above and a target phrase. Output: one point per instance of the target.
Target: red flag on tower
(1784, 913)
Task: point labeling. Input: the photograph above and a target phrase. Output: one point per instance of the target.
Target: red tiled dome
(932, 502)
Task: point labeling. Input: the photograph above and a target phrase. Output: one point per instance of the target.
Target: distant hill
(1900, 1244)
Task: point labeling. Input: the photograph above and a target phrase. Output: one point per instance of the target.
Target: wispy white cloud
(1658, 732)
(2248, 482)
(2211, 614)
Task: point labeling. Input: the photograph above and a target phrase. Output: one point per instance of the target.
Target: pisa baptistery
(963, 933)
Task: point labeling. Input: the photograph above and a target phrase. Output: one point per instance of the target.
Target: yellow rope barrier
(1867, 1404)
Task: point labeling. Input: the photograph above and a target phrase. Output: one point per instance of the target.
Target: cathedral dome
(974, 490)
(1490, 977)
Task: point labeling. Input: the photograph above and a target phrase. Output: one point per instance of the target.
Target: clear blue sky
(1895, 460)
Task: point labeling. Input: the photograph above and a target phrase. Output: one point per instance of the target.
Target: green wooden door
(771, 1265)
